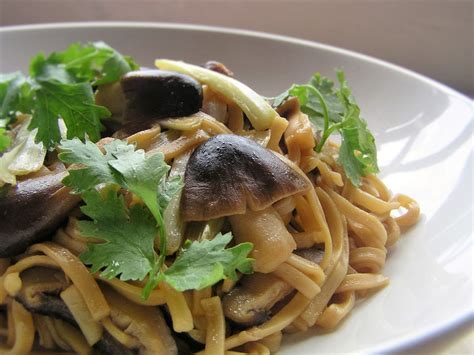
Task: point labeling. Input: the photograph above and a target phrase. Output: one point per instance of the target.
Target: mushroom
(154, 94)
(40, 294)
(218, 67)
(143, 323)
(250, 303)
(229, 175)
(32, 210)
(313, 254)
(40, 291)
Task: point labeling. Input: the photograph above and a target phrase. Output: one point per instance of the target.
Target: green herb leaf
(140, 174)
(335, 110)
(5, 139)
(358, 153)
(94, 168)
(75, 104)
(167, 189)
(202, 264)
(60, 86)
(15, 95)
(131, 169)
(128, 237)
(93, 62)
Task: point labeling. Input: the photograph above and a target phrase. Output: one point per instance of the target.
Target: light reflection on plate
(424, 132)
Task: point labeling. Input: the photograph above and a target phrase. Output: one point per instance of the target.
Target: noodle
(23, 331)
(215, 330)
(318, 251)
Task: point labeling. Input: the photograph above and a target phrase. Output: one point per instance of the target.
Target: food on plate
(175, 210)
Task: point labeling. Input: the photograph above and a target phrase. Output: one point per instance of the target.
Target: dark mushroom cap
(31, 211)
(154, 94)
(227, 173)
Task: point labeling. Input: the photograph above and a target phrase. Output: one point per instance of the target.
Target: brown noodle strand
(79, 275)
(278, 322)
(335, 312)
(179, 310)
(349, 227)
(24, 330)
(356, 282)
(297, 279)
(215, 332)
(337, 265)
(412, 214)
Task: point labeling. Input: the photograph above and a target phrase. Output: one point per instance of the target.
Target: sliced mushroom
(218, 67)
(155, 94)
(272, 243)
(144, 323)
(32, 210)
(229, 173)
(40, 293)
(250, 303)
(313, 254)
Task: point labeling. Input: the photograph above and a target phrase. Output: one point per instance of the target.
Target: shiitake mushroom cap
(229, 173)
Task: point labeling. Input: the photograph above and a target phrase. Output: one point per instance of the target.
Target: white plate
(424, 135)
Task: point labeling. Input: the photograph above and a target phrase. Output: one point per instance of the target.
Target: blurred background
(432, 37)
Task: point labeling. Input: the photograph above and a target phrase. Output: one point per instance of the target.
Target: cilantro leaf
(131, 169)
(60, 86)
(140, 174)
(358, 153)
(167, 189)
(95, 169)
(5, 140)
(15, 95)
(128, 238)
(129, 234)
(335, 110)
(114, 65)
(202, 264)
(94, 62)
(75, 104)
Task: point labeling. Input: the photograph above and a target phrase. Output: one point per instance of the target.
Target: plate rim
(242, 32)
(402, 343)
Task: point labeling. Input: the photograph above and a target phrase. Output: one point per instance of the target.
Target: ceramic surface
(424, 135)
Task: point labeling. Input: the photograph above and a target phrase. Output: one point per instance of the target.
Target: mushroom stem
(272, 243)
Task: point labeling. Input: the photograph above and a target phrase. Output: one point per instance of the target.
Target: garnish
(60, 86)
(335, 110)
(129, 233)
(15, 95)
(5, 139)
(202, 264)
(258, 111)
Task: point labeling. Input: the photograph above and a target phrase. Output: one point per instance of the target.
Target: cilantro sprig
(129, 233)
(334, 110)
(60, 86)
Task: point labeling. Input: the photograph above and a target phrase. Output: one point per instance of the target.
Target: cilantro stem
(326, 135)
(325, 116)
(153, 279)
(156, 270)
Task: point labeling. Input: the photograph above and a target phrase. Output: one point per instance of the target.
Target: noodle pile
(341, 235)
